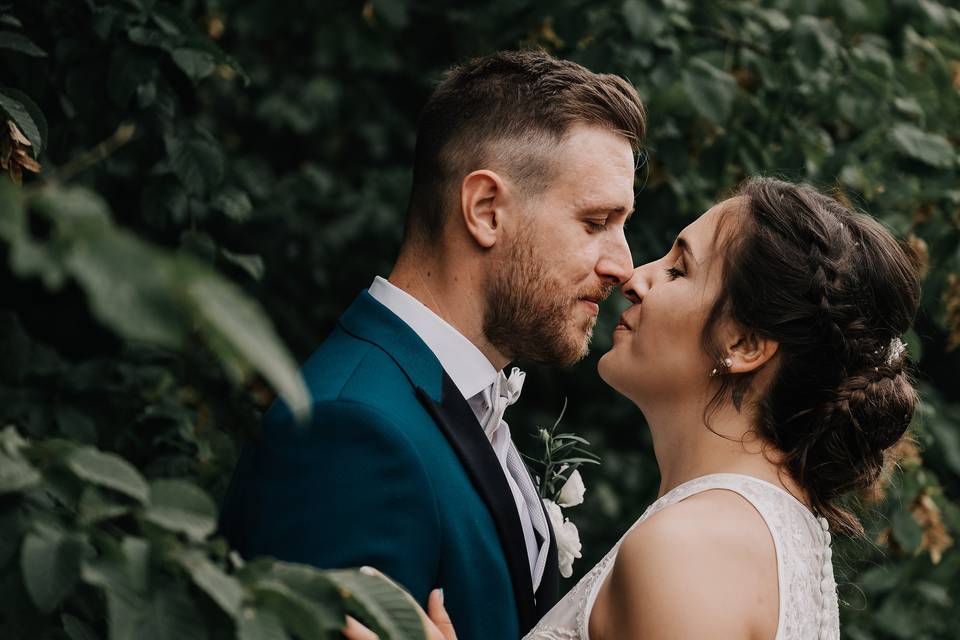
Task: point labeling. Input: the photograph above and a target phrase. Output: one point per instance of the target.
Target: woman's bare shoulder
(703, 567)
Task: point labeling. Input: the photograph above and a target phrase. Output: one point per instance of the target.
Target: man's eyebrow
(608, 211)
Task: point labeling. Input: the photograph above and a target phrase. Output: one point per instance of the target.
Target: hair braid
(844, 288)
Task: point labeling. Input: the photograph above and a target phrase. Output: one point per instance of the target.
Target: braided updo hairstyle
(833, 288)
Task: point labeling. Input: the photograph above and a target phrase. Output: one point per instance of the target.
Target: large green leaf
(234, 204)
(146, 294)
(644, 20)
(711, 91)
(171, 614)
(195, 63)
(303, 616)
(16, 474)
(108, 470)
(260, 624)
(50, 562)
(243, 331)
(122, 572)
(181, 506)
(381, 603)
(929, 148)
(12, 41)
(130, 68)
(27, 116)
(196, 159)
(223, 589)
(96, 505)
(77, 629)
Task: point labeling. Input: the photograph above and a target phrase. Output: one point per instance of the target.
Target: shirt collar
(467, 367)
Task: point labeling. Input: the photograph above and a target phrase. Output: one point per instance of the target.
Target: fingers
(437, 623)
(356, 631)
(439, 616)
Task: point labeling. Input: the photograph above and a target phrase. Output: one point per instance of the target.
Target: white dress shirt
(474, 377)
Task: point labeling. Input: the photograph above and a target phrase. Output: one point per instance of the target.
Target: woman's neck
(686, 448)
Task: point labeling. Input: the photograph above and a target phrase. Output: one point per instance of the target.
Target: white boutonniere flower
(562, 487)
(572, 492)
(568, 538)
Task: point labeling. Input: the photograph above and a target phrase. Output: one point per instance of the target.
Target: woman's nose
(636, 286)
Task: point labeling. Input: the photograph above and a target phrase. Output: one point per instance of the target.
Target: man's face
(566, 252)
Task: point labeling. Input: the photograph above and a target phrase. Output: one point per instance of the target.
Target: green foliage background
(221, 177)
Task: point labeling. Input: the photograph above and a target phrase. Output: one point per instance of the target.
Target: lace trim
(807, 590)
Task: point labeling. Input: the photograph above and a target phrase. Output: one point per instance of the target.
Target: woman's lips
(623, 325)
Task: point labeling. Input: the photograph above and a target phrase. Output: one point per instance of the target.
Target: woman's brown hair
(836, 290)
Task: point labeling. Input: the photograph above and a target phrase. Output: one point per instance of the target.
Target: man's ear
(482, 194)
(748, 351)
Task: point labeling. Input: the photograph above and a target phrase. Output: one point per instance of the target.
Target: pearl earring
(726, 363)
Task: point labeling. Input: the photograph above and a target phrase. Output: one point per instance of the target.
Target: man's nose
(616, 263)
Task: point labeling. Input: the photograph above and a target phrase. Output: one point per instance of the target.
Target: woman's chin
(606, 368)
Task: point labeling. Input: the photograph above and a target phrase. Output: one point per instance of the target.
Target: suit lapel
(549, 592)
(459, 424)
(367, 319)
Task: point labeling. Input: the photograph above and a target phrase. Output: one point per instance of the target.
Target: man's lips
(593, 303)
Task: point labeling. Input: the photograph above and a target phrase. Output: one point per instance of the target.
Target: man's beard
(529, 315)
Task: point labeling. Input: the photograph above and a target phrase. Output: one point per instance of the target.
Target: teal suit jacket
(392, 471)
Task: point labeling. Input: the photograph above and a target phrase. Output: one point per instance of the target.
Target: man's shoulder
(351, 378)
(342, 362)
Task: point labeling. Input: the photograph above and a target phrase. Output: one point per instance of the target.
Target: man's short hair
(509, 110)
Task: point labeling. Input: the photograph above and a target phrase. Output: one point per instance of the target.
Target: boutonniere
(561, 485)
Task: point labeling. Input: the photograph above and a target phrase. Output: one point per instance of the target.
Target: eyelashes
(673, 273)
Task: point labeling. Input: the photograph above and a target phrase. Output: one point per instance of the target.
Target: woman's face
(657, 351)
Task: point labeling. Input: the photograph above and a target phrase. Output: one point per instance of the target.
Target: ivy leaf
(178, 505)
(644, 21)
(51, 564)
(305, 617)
(251, 263)
(196, 159)
(12, 41)
(130, 69)
(382, 602)
(77, 629)
(170, 614)
(929, 148)
(233, 203)
(260, 624)
(195, 63)
(239, 330)
(16, 474)
(108, 470)
(223, 589)
(128, 286)
(95, 506)
(26, 115)
(711, 91)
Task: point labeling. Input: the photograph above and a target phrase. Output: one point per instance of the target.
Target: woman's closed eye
(673, 273)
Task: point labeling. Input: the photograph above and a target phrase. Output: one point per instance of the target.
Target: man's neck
(453, 295)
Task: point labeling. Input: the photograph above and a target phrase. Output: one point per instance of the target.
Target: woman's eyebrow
(685, 248)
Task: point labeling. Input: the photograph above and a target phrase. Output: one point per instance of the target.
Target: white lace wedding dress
(808, 592)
